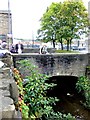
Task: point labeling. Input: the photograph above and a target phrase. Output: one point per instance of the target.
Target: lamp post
(9, 26)
(8, 16)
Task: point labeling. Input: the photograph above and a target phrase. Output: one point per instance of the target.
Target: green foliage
(64, 21)
(60, 116)
(83, 85)
(20, 105)
(35, 102)
(35, 91)
(65, 51)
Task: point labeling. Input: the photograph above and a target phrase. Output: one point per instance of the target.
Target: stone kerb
(8, 90)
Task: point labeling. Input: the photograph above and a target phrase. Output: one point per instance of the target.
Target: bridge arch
(64, 84)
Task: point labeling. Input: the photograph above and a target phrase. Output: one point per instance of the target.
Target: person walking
(4, 45)
(19, 47)
(12, 49)
(43, 49)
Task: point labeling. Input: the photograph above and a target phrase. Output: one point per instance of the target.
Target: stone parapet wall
(37, 50)
(57, 64)
(8, 90)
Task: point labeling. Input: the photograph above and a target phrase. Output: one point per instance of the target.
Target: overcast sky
(26, 15)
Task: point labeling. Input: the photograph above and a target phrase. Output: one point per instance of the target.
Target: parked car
(82, 50)
(74, 47)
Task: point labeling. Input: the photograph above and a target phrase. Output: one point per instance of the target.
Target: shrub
(83, 84)
(33, 101)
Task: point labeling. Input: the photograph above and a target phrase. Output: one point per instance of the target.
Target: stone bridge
(57, 64)
(50, 64)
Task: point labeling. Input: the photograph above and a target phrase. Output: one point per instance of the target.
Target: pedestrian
(12, 49)
(43, 49)
(19, 48)
(4, 45)
(0, 43)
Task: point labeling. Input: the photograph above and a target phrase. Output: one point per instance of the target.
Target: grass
(65, 51)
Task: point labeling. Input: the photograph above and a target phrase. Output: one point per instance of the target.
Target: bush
(33, 101)
(83, 84)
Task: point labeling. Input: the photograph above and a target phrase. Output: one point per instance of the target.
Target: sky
(26, 15)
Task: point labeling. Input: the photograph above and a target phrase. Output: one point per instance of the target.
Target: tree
(76, 20)
(49, 23)
(64, 21)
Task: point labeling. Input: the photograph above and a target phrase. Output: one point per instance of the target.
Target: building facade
(5, 25)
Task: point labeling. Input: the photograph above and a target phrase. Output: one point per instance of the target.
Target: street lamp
(9, 35)
(8, 16)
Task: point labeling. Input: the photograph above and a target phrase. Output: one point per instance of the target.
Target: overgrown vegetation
(21, 105)
(83, 86)
(33, 101)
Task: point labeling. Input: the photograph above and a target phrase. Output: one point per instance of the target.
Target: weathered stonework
(57, 64)
(8, 90)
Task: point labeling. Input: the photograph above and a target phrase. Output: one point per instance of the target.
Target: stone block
(14, 91)
(4, 86)
(7, 108)
(4, 93)
(8, 112)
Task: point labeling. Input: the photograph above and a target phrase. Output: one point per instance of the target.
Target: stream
(70, 101)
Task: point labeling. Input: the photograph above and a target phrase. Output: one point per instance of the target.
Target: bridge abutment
(8, 91)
